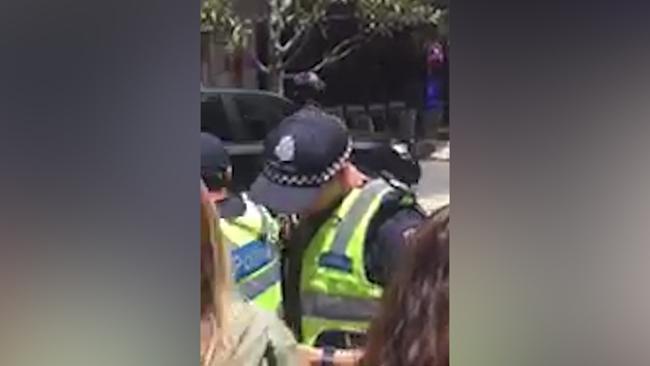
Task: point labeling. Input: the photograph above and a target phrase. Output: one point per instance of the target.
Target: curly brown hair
(413, 326)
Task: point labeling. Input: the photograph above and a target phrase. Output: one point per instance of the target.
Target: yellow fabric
(333, 282)
(244, 229)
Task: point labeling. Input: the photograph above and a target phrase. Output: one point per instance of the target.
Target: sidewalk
(433, 150)
(442, 152)
(433, 202)
(433, 189)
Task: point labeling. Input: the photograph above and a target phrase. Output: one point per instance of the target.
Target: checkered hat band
(309, 180)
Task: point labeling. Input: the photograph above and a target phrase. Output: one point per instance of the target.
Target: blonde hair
(216, 284)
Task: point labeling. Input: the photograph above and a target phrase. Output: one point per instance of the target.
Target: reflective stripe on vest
(338, 307)
(355, 214)
(251, 288)
(336, 294)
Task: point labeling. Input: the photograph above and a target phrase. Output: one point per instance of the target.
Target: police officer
(249, 229)
(350, 229)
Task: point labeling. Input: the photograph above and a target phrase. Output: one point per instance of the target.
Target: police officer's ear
(351, 177)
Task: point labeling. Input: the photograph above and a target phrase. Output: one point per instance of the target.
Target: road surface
(433, 190)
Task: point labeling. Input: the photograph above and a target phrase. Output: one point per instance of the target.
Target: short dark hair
(307, 87)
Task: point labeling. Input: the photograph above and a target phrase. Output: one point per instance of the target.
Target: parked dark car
(242, 118)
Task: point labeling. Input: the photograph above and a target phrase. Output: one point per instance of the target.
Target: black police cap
(305, 151)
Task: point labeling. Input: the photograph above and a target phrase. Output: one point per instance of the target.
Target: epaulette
(396, 183)
(408, 197)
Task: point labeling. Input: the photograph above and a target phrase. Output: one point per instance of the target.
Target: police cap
(305, 151)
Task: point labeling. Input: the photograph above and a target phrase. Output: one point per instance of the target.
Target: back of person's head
(216, 284)
(413, 326)
(216, 168)
(307, 88)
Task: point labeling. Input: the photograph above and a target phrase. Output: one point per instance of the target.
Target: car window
(261, 113)
(214, 118)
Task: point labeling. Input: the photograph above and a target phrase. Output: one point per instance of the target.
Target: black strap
(291, 290)
(292, 270)
(328, 356)
(269, 355)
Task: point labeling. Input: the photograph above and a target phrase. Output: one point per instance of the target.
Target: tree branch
(276, 24)
(283, 49)
(339, 52)
(333, 58)
(346, 43)
(258, 63)
(302, 44)
(278, 45)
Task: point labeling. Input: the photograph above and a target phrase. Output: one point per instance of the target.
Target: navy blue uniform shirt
(385, 238)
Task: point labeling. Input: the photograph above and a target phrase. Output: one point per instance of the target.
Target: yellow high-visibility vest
(336, 294)
(253, 239)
